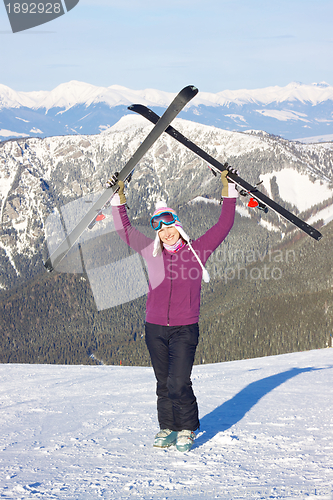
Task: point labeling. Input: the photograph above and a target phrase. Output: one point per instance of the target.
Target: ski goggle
(166, 218)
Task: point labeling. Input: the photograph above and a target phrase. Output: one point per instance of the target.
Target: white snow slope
(85, 432)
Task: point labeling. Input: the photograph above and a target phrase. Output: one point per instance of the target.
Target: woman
(175, 269)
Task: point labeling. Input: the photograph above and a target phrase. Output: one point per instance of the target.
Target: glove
(121, 193)
(112, 181)
(119, 198)
(228, 187)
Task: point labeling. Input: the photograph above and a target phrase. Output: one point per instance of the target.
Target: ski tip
(190, 89)
(135, 107)
(186, 93)
(316, 235)
(312, 231)
(48, 266)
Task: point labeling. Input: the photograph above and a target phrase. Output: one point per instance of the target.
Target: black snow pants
(172, 350)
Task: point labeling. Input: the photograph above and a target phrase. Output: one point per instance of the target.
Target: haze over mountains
(295, 112)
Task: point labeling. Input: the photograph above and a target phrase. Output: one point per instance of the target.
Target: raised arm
(134, 238)
(208, 242)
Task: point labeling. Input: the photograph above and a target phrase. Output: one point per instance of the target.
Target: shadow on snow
(232, 411)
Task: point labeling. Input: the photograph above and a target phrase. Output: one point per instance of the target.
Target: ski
(263, 201)
(171, 112)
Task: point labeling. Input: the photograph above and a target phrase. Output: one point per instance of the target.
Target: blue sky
(212, 44)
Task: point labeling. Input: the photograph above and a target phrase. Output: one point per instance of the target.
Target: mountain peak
(322, 85)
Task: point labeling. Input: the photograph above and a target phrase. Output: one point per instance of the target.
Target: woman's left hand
(228, 187)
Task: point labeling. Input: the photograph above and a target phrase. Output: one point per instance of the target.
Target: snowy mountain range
(295, 112)
(40, 177)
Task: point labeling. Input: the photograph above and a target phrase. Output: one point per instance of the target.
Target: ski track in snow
(85, 432)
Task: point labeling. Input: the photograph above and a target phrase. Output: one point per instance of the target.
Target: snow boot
(185, 440)
(165, 438)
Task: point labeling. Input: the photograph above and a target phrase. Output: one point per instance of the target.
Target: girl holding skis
(175, 269)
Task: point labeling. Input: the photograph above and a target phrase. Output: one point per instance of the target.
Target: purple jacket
(175, 278)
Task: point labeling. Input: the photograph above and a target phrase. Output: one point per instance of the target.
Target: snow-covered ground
(85, 432)
(297, 189)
